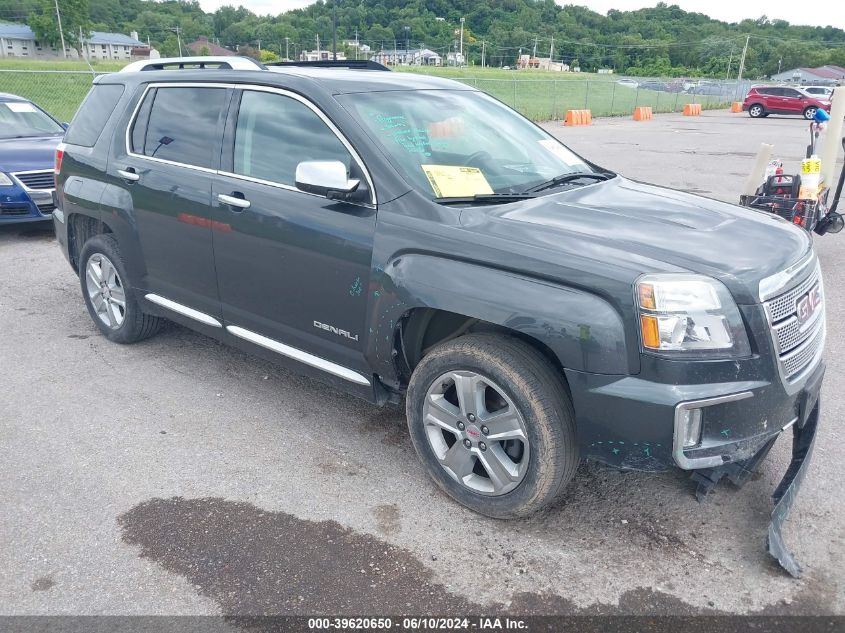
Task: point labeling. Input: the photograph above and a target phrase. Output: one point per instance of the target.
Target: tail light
(60, 154)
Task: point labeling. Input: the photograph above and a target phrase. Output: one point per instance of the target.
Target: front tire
(755, 111)
(110, 300)
(492, 423)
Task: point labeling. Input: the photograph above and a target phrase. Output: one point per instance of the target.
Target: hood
(27, 154)
(644, 228)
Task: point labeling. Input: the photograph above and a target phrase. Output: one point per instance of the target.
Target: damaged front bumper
(803, 440)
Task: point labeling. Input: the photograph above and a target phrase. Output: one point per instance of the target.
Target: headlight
(5, 181)
(689, 315)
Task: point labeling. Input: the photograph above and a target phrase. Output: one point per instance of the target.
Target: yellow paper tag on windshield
(454, 181)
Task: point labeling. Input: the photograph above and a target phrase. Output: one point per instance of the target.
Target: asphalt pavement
(179, 476)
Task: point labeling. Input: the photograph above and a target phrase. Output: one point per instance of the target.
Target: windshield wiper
(564, 178)
(487, 198)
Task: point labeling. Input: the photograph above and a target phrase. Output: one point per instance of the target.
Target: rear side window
(93, 115)
(180, 124)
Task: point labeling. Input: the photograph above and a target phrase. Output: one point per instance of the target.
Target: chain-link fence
(60, 92)
(549, 99)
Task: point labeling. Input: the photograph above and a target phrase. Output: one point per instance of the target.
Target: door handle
(238, 203)
(129, 174)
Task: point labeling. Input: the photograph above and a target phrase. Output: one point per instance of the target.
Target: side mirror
(326, 178)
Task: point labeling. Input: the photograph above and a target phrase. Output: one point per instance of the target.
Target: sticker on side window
(455, 181)
(560, 151)
(16, 106)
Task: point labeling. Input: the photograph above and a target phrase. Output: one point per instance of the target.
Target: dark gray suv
(400, 235)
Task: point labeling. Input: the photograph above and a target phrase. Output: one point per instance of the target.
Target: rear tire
(810, 112)
(755, 111)
(109, 297)
(513, 392)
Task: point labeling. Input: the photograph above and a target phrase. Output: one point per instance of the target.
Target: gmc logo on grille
(808, 304)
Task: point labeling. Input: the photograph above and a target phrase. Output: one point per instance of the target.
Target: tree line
(660, 41)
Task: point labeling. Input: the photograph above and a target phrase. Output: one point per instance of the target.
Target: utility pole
(730, 59)
(482, 53)
(742, 61)
(259, 45)
(462, 41)
(334, 33)
(534, 54)
(780, 61)
(178, 38)
(287, 48)
(61, 33)
(318, 46)
(356, 44)
(552, 52)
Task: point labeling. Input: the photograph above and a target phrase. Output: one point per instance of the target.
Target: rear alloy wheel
(491, 421)
(108, 295)
(105, 291)
(810, 112)
(755, 111)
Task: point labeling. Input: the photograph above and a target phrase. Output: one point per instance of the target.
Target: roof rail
(192, 63)
(351, 64)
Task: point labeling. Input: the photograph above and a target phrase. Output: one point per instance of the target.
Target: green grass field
(539, 95)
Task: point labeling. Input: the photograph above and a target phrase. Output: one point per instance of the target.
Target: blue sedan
(28, 140)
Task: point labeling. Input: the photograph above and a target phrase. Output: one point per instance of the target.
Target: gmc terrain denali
(400, 235)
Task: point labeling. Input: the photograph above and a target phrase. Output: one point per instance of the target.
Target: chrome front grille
(36, 179)
(803, 355)
(798, 344)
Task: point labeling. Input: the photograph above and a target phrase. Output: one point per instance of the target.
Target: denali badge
(334, 330)
(808, 304)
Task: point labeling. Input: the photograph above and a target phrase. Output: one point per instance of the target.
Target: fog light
(690, 426)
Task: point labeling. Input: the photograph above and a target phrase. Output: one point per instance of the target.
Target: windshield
(21, 118)
(461, 143)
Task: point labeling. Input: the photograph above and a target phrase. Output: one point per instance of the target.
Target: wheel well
(421, 329)
(82, 228)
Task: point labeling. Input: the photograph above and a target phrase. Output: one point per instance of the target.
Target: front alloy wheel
(476, 432)
(493, 424)
(105, 291)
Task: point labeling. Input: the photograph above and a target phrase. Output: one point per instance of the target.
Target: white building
(408, 57)
(18, 40)
(454, 58)
(113, 46)
(364, 48)
(320, 56)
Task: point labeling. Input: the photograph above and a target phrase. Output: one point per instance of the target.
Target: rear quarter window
(93, 114)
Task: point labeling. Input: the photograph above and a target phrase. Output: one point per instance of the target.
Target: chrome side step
(298, 354)
(202, 317)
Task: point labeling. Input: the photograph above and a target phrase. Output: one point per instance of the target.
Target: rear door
(792, 101)
(770, 99)
(293, 268)
(166, 165)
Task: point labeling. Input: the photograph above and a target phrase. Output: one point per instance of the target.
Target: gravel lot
(178, 476)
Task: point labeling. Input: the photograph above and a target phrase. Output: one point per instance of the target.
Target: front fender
(581, 329)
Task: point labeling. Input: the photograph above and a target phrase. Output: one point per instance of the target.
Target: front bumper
(18, 204)
(633, 422)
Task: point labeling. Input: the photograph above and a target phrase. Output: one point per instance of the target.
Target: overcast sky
(794, 12)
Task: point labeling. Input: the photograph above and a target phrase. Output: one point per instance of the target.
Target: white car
(819, 92)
